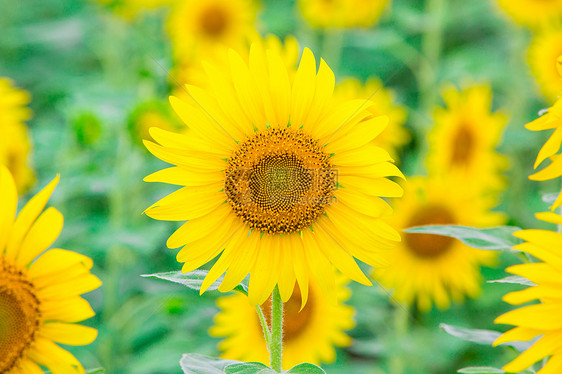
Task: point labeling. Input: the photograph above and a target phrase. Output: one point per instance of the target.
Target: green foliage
(484, 337)
(306, 369)
(194, 363)
(494, 239)
(249, 368)
(194, 280)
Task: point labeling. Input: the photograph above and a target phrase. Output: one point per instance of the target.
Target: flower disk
(279, 179)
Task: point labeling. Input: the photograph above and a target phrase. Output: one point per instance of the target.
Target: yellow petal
(27, 216)
(41, 235)
(54, 261)
(518, 334)
(68, 333)
(185, 177)
(8, 205)
(538, 316)
(73, 309)
(303, 88)
(187, 203)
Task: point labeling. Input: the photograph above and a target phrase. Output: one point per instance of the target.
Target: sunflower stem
(276, 346)
(264, 326)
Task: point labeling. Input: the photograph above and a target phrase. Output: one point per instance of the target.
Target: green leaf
(194, 363)
(306, 369)
(249, 368)
(481, 370)
(95, 371)
(494, 238)
(193, 280)
(484, 337)
(515, 279)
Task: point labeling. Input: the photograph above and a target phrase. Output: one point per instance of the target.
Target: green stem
(401, 327)
(264, 326)
(276, 346)
(431, 50)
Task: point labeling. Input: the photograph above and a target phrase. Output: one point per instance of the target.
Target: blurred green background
(88, 70)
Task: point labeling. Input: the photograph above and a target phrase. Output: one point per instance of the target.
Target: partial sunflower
(542, 58)
(542, 320)
(39, 288)
(464, 138)
(149, 114)
(309, 335)
(278, 180)
(196, 27)
(13, 103)
(384, 100)
(532, 13)
(552, 119)
(428, 268)
(342, 13)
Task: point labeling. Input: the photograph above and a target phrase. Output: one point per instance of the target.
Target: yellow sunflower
(342, 13)
(39, 290)
(531, 12)
(551, 120)
(309, 335)
(464, 137)
(542, 58)
(428, 268)
(540, 320)
(278, 180)
(395, 135)
(196, 26)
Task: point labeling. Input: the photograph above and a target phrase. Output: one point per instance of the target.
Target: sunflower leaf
(515, 279)
(484, 337)
(306, 369)
(249, 368)
(194, 363)
(480, 370)
(494, 238)
(194, 280)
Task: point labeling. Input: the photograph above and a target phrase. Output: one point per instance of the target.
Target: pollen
(280, 181)
(20, 315)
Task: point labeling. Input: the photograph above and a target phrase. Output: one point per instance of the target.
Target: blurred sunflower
(39, 289)
(428, 268)
(196, 27)
(260, 167)
(465, 134)
(394, 135)
(542, 58)
(532, 12)
(150, 114)
(542, 320)
(15, 144)
(342, 13)
(309, 335)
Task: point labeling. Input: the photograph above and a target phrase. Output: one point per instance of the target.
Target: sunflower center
(463, 146)
(294, 322)
(428, 245)
(214, 21)
(279, 181)
(19, 315)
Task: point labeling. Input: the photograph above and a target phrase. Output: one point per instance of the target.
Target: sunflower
(309, 335)
(542, 58)
(551, 120)
(150, 114)
(540, 320)
(197, 26)
(342, 13)
(39, 290)
(532, 13)
(278, 179)
(424, 267)
(465, 134)
(15, 144)
(395, 135)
